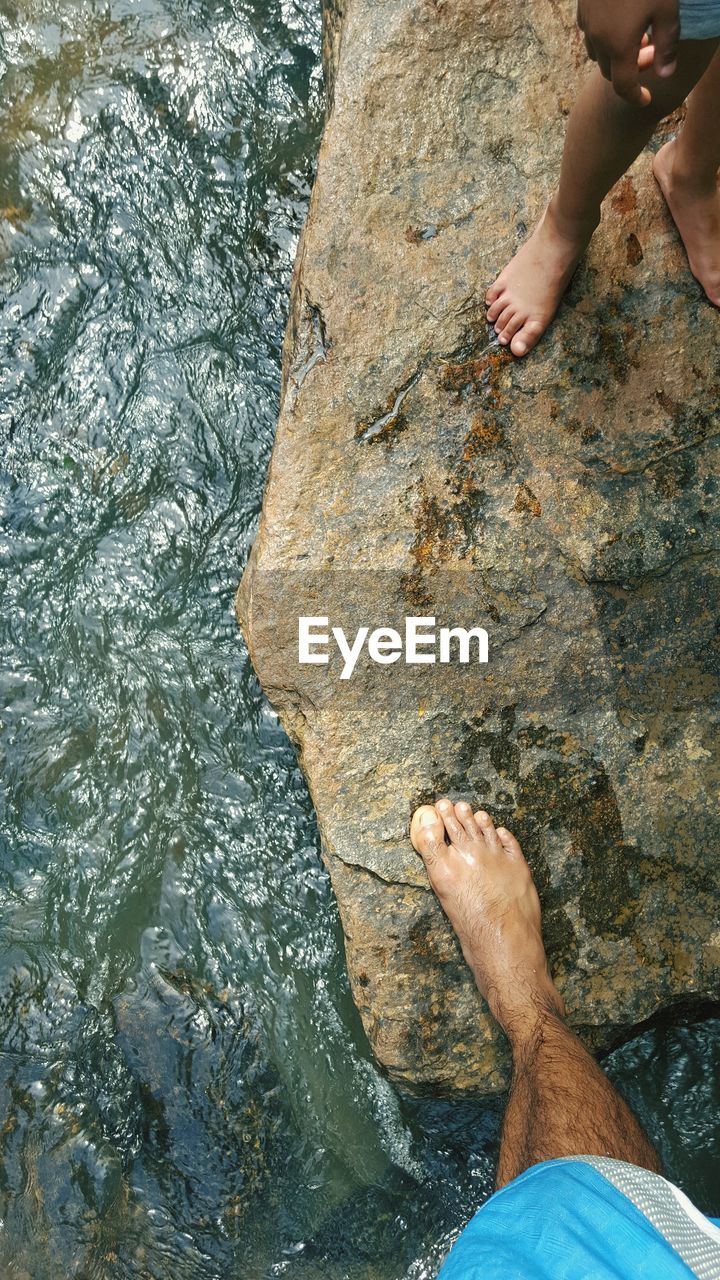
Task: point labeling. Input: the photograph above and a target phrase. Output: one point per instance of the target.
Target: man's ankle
(524, 1024)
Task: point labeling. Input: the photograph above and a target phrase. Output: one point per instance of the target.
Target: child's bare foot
(486, 889)
(695, 207)
(524, 298)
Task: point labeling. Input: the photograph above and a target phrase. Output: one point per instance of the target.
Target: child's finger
(646, 57)
(666, 34)
(626, 79)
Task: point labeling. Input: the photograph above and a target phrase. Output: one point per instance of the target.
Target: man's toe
(454, 829)
(487, 828)
(464, 814)
(508, 842)
(427, 833)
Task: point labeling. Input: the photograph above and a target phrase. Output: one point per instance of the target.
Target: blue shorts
(587, 1218)
(699, 19)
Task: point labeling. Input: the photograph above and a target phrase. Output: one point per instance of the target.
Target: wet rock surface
(567, 503)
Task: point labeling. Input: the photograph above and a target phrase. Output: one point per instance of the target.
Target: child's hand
(615, 36)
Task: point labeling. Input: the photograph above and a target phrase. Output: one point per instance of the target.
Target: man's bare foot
(487, 892)
(695, 207)
(524, 298)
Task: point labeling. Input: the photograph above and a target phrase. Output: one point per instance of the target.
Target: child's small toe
(505, 316)
(513, 325)
(495, 308)
(506, 333)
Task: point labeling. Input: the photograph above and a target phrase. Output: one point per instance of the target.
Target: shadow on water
(185, 1087)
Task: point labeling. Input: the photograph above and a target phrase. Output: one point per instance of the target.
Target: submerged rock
(567, 503)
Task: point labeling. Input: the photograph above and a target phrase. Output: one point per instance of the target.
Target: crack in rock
(389, 418)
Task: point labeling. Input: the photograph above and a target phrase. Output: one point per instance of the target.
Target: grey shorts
(699, 19)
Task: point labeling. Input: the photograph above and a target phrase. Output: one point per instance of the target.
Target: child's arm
(614, 30)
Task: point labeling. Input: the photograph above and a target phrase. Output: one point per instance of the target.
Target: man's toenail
(520, 348)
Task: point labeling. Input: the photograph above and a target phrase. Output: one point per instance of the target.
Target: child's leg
(604, 136)
(687, 170)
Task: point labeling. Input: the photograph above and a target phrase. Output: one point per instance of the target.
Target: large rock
(567, 503)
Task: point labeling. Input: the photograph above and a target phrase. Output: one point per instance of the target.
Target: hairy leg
(604, 136)
(561, 1103)
(687, 171)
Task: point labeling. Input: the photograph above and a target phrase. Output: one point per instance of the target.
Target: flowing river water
(185, 1088)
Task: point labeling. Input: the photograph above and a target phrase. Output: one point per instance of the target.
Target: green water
(185, 1089)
